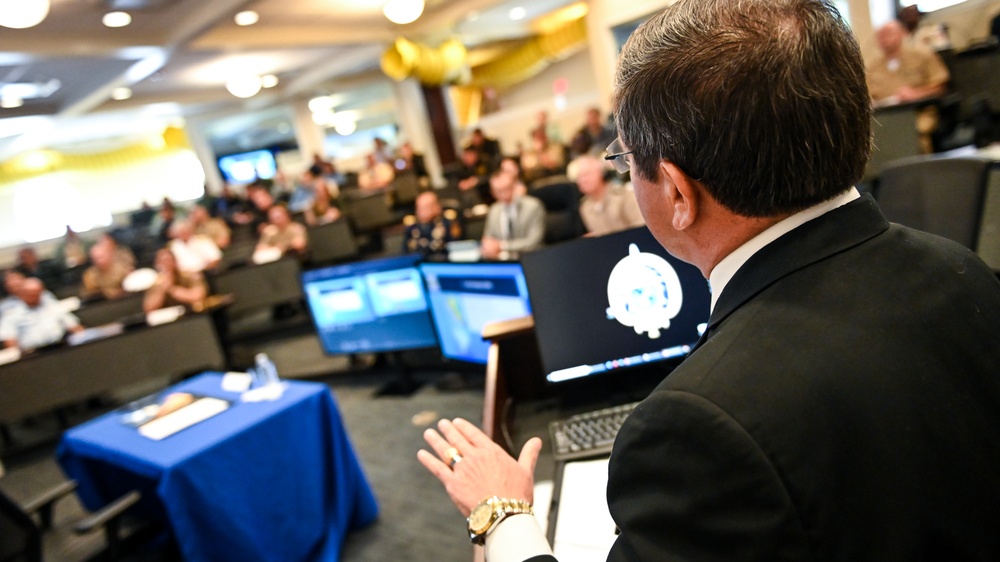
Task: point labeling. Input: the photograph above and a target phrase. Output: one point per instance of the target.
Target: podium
(513, 371)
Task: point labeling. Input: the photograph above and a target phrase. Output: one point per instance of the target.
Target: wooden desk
(57, 377)
(513, 370)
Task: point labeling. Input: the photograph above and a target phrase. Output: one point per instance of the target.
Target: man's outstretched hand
(484, 470)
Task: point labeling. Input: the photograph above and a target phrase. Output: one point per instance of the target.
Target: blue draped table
(261, 481)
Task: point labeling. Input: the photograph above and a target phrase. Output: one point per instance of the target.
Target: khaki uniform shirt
(105, 283)
(617, 211)
(915, 67)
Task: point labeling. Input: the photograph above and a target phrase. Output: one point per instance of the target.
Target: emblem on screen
(644, 293)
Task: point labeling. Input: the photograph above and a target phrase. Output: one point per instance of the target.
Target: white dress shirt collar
(727, 268)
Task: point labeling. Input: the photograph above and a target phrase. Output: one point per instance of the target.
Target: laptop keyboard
(589, 434)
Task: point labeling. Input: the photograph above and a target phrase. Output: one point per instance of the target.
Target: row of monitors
(599, 304)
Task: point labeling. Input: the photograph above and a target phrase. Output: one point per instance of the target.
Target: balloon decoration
(446, 64)
(40, 162)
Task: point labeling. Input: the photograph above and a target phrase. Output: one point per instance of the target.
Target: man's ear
(682, 194)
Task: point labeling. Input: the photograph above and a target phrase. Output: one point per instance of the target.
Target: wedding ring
(453, 457)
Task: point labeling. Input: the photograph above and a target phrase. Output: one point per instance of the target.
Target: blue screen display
(248, 166)
(369, 306)
(466, 296)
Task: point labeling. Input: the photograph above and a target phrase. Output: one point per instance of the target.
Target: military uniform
(431, 238)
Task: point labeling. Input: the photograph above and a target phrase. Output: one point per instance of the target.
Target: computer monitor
(466, 296)
(606, 304)
(369, 306)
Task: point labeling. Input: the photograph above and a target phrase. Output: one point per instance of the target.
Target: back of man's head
(763, 102)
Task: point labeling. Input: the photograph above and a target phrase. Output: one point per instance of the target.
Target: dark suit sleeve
(686, 482)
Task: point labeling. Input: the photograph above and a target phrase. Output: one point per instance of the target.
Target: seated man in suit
(514, 225)
(843, 403)
(36, 321)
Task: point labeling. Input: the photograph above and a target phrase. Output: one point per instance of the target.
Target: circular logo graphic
(644, 293)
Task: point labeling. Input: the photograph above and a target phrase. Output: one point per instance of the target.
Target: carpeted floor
(417, 521)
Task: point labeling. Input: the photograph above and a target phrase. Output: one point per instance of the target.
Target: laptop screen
(603, 305)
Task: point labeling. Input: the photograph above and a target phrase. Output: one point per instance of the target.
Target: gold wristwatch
(489, 513)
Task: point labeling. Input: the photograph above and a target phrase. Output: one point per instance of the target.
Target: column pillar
(419, 127)
(310, 137)
(203, 149)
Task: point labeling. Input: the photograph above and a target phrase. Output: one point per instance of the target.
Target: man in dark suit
(844, 403)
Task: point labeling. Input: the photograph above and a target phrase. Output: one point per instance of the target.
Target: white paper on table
(197, 411)
(236, 382)
(585, 530)
(543, 501)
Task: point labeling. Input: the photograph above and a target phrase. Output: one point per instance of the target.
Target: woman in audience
(280, 236)
(174, 287)
(322, 210)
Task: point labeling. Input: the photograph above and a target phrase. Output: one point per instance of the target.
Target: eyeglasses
(618, 157)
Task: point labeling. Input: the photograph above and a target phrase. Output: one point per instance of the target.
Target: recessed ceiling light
(249, 17)
(244, 86)
(321, 104)
(517, 13)
(23, 14)
(117, 19)
(403, 11)
(11, 102)
(269, 81)
(119, 94)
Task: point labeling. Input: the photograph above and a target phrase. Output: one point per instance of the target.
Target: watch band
(490, 512)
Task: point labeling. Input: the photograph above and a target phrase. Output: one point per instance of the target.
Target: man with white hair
(604, 208)
(35, 321)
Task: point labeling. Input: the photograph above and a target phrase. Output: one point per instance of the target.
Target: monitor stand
(404, 384)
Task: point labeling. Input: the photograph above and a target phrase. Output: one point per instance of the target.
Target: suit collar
(814, 241)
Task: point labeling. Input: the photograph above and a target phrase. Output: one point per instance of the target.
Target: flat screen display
(464, 297)
(248, 166)
(614, 302)
(370, 306)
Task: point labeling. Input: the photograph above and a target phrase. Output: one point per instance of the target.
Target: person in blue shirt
(35, 321)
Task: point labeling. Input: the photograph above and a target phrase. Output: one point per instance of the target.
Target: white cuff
(516, 538)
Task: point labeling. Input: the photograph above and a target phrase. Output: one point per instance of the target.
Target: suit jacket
(844, 404)
(529, 226)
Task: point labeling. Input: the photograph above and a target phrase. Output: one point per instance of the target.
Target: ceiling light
(345, 127)
(321, 104)
(244, 86)
(403, 11)
(117, 19)
(269, 81)
(11, 102)
(246, 18)
(119, 94)
(517, 13)
(23, 13)
(323, 118)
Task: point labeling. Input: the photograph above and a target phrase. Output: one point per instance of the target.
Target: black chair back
(20, 539)
(562, 211)
(369, 212)
(943, 196)
(332, 242)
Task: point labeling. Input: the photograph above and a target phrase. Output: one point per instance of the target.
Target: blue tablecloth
(269, 481)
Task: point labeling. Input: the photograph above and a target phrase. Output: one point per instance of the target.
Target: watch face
(480, 517)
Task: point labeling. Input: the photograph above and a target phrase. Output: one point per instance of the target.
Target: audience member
(12, 282)
(256, 214)
(488, 149)
(227, 205)
(903, 74)
(546, 129)
(160, 229)
(604, 208)
(72, 250)
(381, 151)
(29, 264)
(543, 159)
(473, 177)
(35, 321)
(205, 225)
(510, 166)
(411, 161)
(843, 402)
(919, 33)
(121, 254)
(514, 225)
(432, 231)
(193, 253)
(105, 275)
(376, 175)
(174, 287)
(301, 196)
(282, 235)
(322, 210)
(595, 133)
